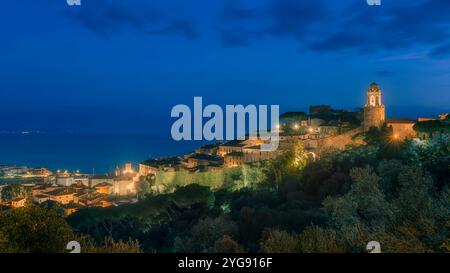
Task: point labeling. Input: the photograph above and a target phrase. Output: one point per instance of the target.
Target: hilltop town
(321, 129)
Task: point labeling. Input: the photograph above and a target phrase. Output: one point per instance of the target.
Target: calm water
(87, 153)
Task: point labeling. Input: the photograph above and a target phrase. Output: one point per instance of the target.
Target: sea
(103, 151)
(87, 153)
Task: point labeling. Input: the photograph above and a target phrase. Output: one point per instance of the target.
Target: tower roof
(374, 87)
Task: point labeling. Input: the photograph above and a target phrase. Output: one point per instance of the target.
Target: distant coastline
(102, 152)
(88, 153)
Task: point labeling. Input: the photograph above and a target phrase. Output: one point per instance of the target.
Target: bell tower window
(372, 100)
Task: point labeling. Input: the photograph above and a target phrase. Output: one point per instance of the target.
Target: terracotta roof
(41, 196)
(103, 184)
(61, 191)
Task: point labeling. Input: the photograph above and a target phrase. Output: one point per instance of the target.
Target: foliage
(318, 240)
(33, 229)
(377, 136)
(11, 192)
(208, 235)
(279, 241)
(398, 196)
(193, 194)
(226, 244)
(144, 187)
(215, 179)
(289, 163)
(108, 245)
(432, 126)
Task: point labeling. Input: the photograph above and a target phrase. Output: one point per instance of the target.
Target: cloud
(390, 27)
(385, 73)
(234, 38)
(440, 52)
(279, 18)
(178, 27)
(355, 27)
(106, 18)
(232, 11)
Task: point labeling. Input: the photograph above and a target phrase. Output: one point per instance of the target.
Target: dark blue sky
(122, 63)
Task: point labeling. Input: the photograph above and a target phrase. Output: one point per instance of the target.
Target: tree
(11, 192)
(144, 187)
(377, 136)
(33, 229)
(419, 213)
(431, 127)
(185, 197)
(289, 163)
(279, 241)
(317, 240)
(389, 170)
(226, 244)
(109, 245)
(252, 175)
(362, 212)
(205, 234)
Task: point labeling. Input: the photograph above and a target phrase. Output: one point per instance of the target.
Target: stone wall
(339, 142)
(402, 131)
(374, 117)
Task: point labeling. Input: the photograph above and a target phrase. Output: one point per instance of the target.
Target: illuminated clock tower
(374, 111)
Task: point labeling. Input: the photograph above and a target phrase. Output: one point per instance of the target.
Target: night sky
(123, 64)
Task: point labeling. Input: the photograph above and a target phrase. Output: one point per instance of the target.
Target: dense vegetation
(432, 127)
(396, 193)
(40, 229)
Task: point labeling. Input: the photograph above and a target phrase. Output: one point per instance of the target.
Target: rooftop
(205, 157)
(103, 184)
(400, 120)
(102, 176)
(374, 87)
(61, 191)
(165, 161)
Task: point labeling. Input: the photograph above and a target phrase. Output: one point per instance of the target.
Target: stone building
(375, 116)
(196, 160)
(401, 128)
(233, 159)
(374, 110)
(230, 147)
